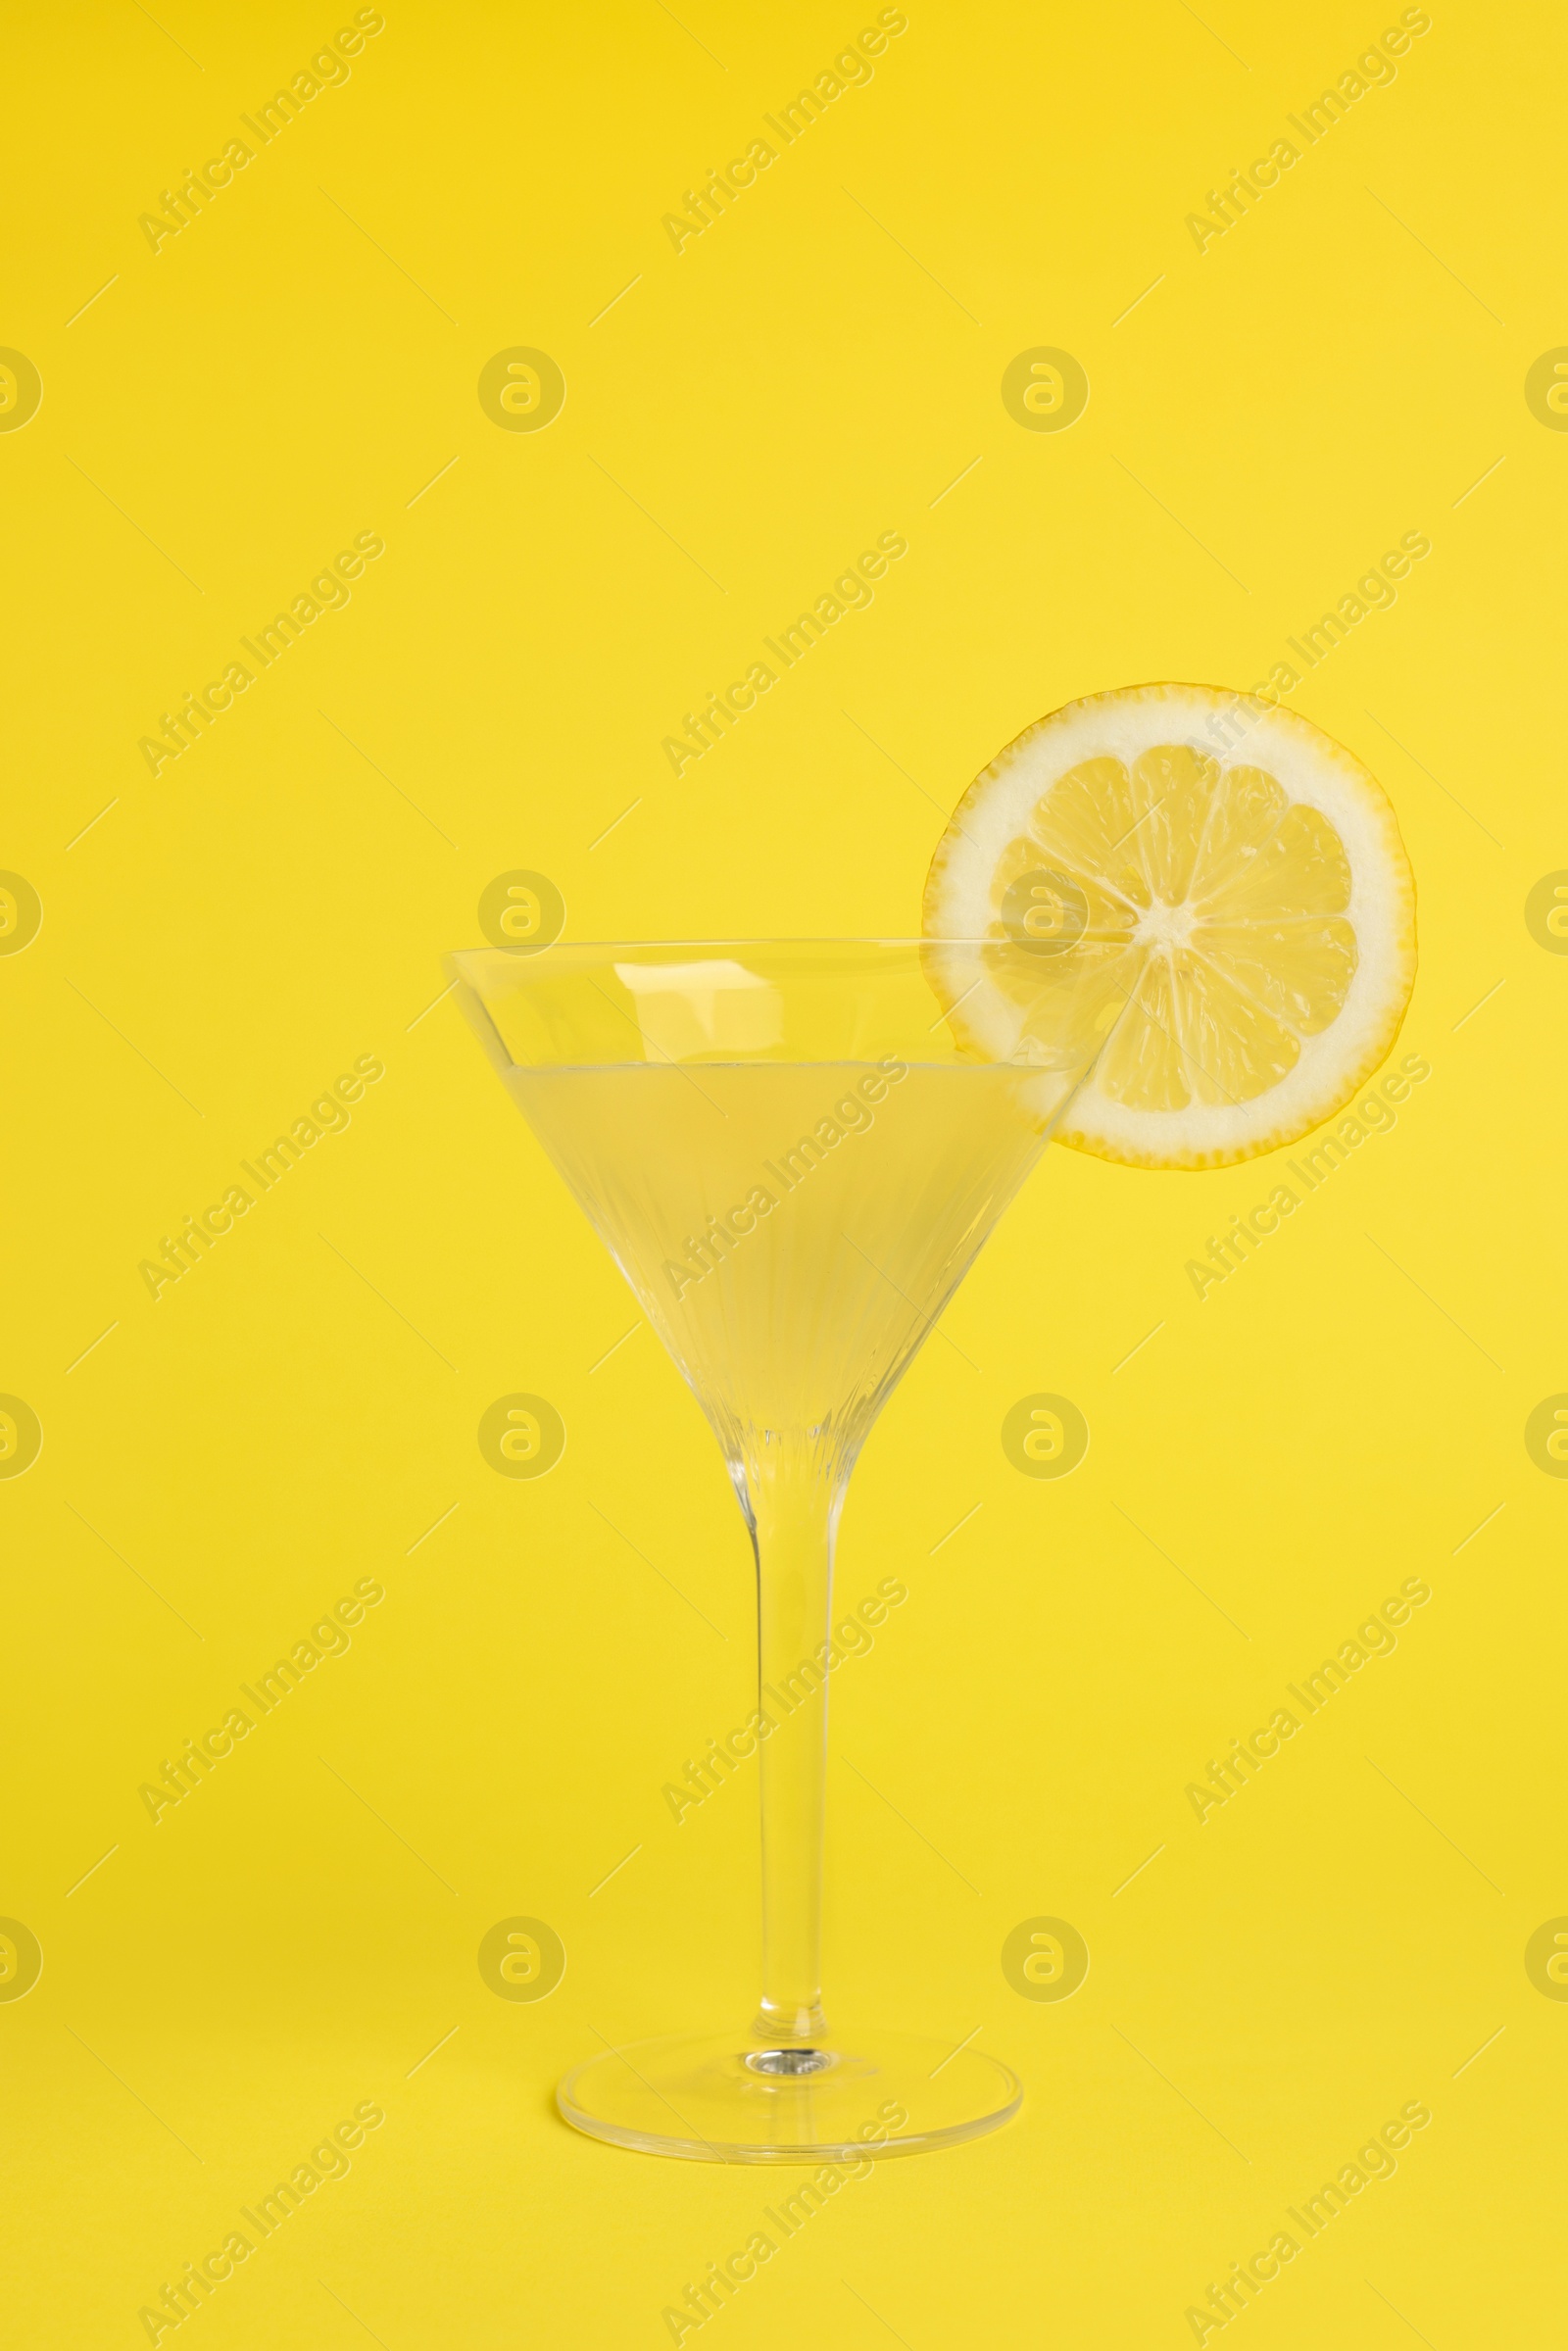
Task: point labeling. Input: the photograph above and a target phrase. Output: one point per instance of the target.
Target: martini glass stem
(793, 1497)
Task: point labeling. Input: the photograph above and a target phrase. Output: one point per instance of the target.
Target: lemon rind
(1311, 767)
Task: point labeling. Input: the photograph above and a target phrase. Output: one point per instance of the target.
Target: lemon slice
(1198, 887)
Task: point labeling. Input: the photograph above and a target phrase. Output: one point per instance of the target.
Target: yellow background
(293, 368)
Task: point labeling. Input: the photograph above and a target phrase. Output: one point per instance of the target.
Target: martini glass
(794, 1155)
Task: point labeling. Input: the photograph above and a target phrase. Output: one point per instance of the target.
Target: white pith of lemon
(1208, 893)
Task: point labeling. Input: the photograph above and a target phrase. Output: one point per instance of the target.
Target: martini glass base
(736, 2097)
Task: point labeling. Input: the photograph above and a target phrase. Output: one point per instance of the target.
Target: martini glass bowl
(794, 1150)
